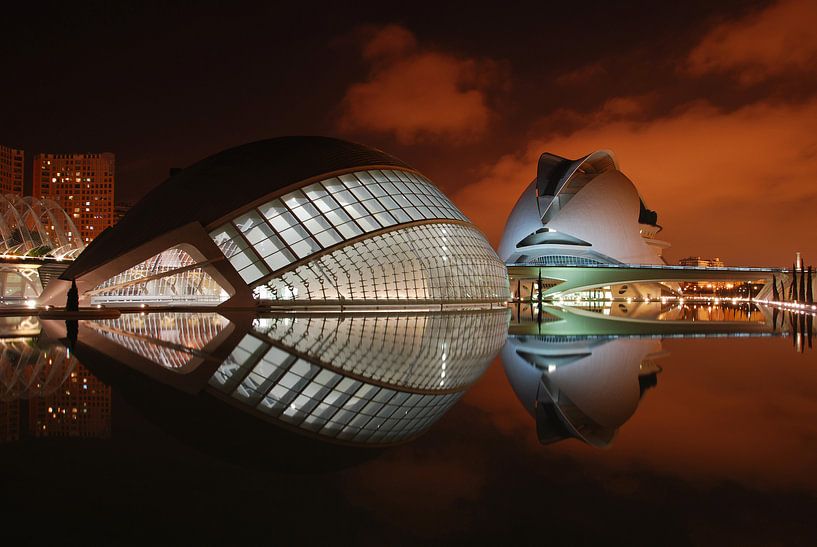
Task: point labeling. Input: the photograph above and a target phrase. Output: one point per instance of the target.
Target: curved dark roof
(224, 182)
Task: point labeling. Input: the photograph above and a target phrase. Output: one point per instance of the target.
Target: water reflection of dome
(580, 387)
(28, 370)
(358, 379)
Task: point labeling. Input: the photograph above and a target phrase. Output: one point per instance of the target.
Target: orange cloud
(416, 94)
(778, 39)
(737, 184)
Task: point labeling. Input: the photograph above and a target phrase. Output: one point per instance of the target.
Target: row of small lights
(795, 307)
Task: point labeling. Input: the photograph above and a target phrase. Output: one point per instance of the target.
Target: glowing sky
(711, 110)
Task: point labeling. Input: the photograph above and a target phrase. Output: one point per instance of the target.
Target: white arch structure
(39, 228)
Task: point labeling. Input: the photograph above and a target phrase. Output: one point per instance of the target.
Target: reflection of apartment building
(81, 407)
(11, 170)
(76, 405)
(9, 421)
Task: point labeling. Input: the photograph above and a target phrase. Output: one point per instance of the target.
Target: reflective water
(659, 423)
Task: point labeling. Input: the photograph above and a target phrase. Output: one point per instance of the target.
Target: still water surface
(648, 425)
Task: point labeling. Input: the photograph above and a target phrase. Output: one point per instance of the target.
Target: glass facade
(19, 283)
(316, 399)
(371, 379)
(419, 351)
(564, 260)
(171, 276)
(168, 339)
(423, 262)
(325, 214)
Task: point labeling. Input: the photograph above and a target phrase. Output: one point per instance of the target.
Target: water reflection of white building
(580, 387)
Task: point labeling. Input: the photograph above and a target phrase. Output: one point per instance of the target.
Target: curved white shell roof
(588, 199)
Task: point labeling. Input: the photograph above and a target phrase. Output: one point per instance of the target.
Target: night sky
(710, 109)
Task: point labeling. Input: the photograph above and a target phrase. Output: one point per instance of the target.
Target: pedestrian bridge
(559, 280)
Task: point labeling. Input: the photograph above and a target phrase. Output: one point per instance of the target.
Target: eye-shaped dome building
(581, 212)
(293, 220)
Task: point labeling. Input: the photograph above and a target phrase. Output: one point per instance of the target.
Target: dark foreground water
(591, 427)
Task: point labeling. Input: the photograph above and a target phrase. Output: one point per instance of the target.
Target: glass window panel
(269, 246)
(305, 212)
(368, 223)
(401, 200)
(373, 206)
(333, 185)
(378, 175)
(402, 187)
(306, 247)
(279, 260)
(272, 209)
(240, 260)
(356, 210)
(250, 343)
(303, 368)
(390, 188)
(295, 199)
(247, 221)
(385, 219)
(314, 191)
(317, 225)
(365, 177)
(283, 221)
(294, 234)
(376, 190)
(344, 197)
(329, 238)
(415, 200)
(388, 202)
(401, 216)
(349, 180)
(326, 204)
(276, 355)
(414, 213)
(253, 272)
(337, 217)
(259, 232)
(349, 230)
(362, 194)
